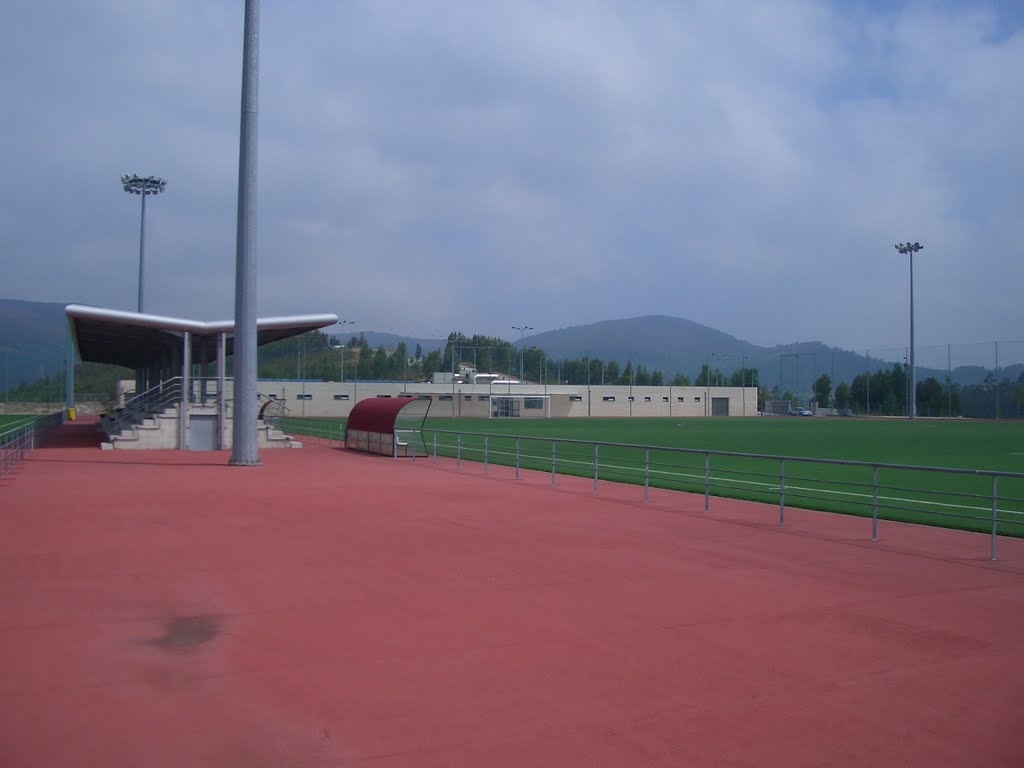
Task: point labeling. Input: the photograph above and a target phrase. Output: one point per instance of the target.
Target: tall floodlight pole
(341, 325)
(245, 450)
(142, 186)
(909, 249)
(522, 334)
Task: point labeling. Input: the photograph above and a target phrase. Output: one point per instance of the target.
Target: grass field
(14, 421)
(953, 500)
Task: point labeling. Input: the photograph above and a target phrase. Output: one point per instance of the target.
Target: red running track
(336, 609)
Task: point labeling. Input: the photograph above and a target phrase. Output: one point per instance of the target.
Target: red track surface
(336, 609)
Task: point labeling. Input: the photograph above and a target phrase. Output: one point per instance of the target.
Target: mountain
(32, 338)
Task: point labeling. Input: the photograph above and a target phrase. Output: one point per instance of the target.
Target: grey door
(202, 433)
(719, 406)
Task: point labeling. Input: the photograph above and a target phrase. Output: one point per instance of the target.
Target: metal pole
(142, 246)
(707, 481)
(458, 451)
(186, 388)
(221, 385)
(596, 464)
(995, 513)
(874, 505)
(782, 491)
(245, 447)
(647, 472)
(913, 368)
(435, 449)
(517, 458)
(553, 473)
(485, 454)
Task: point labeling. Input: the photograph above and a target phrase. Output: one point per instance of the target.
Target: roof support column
(69, 384)
(222, 414)
(186, 386)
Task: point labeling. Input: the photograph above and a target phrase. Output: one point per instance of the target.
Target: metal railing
(987, 501)
(145, 405)
(18, 442)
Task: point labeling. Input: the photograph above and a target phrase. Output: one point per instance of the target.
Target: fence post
(782, 491)
(874, 505)
(995, 513)
(458, 451)
(517, 458)
(435, 449)
(647, 472)
(707, 481)
(553, 445)
(596, 465)
(485, 454)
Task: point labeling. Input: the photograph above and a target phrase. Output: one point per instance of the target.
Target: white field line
(853, 496)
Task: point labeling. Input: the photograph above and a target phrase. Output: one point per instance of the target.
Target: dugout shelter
(391, 426)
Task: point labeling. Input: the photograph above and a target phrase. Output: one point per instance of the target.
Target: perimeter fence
(985, 501)
(19, 440)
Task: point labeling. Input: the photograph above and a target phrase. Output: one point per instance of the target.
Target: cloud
(473, 166)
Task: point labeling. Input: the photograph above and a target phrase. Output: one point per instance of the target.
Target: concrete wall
(336, 399)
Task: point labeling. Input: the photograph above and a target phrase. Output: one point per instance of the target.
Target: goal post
(519, 406)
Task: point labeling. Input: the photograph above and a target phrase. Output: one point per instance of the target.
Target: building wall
(336, 399)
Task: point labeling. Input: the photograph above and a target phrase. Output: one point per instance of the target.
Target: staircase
(154, 418)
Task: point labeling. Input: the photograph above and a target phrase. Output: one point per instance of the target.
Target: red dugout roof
(377, 414)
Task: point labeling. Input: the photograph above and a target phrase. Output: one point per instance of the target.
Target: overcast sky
(473, 165)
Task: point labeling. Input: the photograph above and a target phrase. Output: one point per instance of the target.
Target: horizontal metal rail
(18, 442)
(792, 481)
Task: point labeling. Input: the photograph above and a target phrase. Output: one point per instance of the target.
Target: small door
(719, 406)
(202, 433)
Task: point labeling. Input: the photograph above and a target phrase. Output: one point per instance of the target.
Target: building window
(533, 402)
(609, 398)
(383, 395)
(647, 399)
(696, 399)
(272, 396)
(445, 397)
(681, 399)
(483, 398)
(467, 397)
(664, 399)
(306, 396)
(341, 397)
(575, 398)
(631, 398)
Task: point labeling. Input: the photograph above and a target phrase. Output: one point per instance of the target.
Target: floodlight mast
(909, 249)
(142, 186)
(245, 450)
(522, 333)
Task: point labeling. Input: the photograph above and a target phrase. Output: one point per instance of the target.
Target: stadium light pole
(522, 334)
(341, 326)
(142, 186)
(245, 451)
(909, 249)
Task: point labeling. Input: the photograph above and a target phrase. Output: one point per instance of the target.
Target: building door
(719, 406)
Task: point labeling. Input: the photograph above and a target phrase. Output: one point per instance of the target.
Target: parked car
(800, 412)
(845, 412)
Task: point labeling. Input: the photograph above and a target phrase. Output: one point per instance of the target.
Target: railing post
(647, 473)
(707, 481)
(995, 513)
(435, 449)
(517, 458)
(553, 445)
(782, 491)
(596, 465)
(485, 454)
(458, 451)
(874, 505)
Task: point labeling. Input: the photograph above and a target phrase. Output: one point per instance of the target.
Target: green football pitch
(14, 421)
(948, 499)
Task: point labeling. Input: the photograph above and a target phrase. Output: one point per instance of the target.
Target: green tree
(823, 390)
(844, 397)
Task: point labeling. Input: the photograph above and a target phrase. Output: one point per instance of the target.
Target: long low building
(326, 399)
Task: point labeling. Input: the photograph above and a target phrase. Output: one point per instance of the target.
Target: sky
(475, 165)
